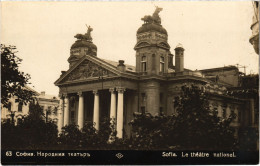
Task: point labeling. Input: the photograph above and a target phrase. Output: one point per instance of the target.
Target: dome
(151, 27)
(84, 43)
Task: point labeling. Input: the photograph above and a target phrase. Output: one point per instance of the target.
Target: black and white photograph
(129, 82)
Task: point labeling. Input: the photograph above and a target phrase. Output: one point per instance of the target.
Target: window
(19, 121)
(49, 109)
(143, 110)
(9, 106)
(239, 116)
(143, 97)
(42, 107)
(20, 107)
(143, 63)
(224, 113)
(161, 110)
(55, 111)
(161, 97)
(161, 64)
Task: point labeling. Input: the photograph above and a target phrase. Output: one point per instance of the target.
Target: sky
(213, 33)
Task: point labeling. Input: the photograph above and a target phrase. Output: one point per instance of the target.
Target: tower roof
(151, 27)
(84, 43)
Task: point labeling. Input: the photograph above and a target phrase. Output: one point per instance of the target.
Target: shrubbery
(32, 133)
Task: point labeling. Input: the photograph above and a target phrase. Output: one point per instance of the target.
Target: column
(120, 112)
(60, 114)
(96, 110)
(112, 114)
(81, 111)
(66, 110)
(113, 104)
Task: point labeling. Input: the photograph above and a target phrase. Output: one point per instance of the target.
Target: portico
(103, 105)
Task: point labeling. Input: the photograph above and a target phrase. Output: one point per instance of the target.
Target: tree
(13, 80)
(197, 126)
(32, 133)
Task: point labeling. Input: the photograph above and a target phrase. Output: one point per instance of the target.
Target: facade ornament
(155, 18)
(88, 70)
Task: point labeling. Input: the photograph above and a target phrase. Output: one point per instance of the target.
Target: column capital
(60, 95)
(80, 93)
(111, 90)
(95, 92)
(65, 95)
(120, 89)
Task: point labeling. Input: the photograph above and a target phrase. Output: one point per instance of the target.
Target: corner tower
(152, 48)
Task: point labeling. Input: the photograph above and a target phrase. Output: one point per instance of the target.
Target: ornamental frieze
(86, 70)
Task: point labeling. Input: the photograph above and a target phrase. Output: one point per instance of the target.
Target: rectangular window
(161, 64)
(19, 121)
(55, 111)
(161, 110)
(20, 107)
(143, 63)
(143, 110)
(224, 113)
(143, 66)
(143, 97)
(161, 98)
(42, 107)
(239, 116)
(9, 106)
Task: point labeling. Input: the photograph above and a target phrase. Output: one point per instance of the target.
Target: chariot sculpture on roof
(155, 18)
(86, 36)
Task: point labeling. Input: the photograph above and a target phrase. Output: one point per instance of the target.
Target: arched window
(143, 63)
(161, 64)
(20, 107)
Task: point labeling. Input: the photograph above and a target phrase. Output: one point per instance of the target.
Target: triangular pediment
(88, 68)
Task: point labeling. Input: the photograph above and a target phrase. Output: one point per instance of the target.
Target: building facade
(94, 88)
(17, 111)
(49, 105)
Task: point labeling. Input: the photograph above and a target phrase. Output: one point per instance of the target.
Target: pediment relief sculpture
(87, 70)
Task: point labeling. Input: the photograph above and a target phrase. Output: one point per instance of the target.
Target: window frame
(143, 63)
(162, 63)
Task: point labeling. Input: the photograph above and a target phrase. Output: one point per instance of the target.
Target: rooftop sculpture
(155, 18)
(86, 36)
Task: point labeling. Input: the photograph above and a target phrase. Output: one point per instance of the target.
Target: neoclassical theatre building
(93, 88)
